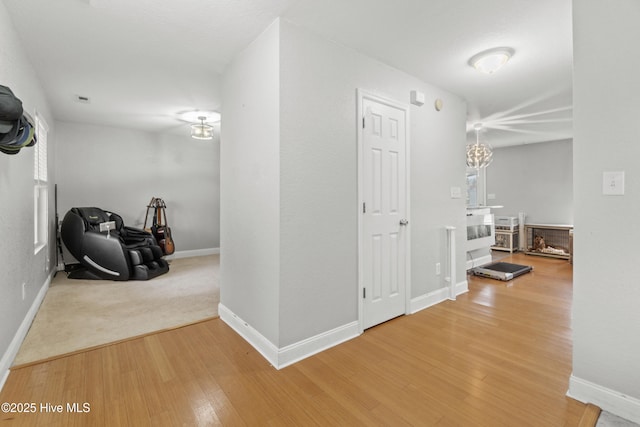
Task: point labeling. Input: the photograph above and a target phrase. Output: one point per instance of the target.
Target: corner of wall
(436, 297)
(11, 352)
(282, 357)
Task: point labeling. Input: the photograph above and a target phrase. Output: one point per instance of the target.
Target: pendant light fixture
(201, 130)
(479, 155)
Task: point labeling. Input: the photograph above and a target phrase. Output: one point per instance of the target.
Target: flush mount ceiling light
(479, 155)
(490, 61)
(201, 130)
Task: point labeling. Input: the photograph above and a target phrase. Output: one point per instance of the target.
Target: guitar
(160, 230)
(166, 242)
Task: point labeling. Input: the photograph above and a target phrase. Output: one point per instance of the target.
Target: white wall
(17, 260)
(250, 180)
(536, 179)
(121, 169)
(319, 200)
(289, 185)
(606, 318)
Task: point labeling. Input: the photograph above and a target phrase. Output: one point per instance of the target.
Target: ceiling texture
(141, 63)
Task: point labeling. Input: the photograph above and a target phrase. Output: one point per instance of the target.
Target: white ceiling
(143, 62)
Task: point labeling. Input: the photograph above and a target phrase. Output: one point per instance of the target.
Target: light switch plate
(613, 183)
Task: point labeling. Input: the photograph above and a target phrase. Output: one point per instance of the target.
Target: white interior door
(384, 223)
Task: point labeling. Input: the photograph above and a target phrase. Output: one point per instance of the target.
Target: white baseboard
(609, 400)
(285, 356)
(477, 262)
(436, 297)
(293, 353)
(265, 347)
(193, 253)
(9, 355)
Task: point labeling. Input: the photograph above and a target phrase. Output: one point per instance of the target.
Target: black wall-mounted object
(17, 127)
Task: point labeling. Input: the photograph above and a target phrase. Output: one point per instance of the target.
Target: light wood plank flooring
(498, 356)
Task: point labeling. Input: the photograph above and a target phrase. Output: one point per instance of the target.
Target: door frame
(363, 95)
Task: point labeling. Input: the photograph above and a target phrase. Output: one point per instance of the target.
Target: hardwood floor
(498, 356)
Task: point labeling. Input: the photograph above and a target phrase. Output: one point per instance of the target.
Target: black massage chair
(107, 249)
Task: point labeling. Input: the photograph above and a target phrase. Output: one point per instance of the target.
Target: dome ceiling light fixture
(479, 155)
(491, 60)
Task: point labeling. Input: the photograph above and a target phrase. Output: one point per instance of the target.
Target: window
(40, 188)
(476, 187)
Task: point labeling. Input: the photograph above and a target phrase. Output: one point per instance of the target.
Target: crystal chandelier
(479, 155)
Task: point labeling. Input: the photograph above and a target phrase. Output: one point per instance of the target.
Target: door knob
(404, 222)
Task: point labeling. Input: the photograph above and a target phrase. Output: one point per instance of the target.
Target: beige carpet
(79, 314)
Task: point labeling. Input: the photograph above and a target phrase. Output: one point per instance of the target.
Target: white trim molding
(288, 355)
(609, 400)
(9, 356)
(436, 297)
(193, 253)
(477, 262)
(295, 352)
(362, 95)
(265, 347)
